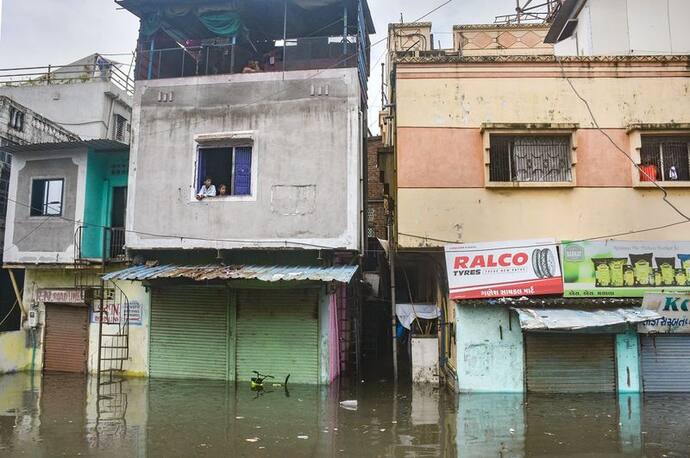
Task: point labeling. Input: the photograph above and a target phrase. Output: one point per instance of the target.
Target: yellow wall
(453, 101)
(476, 214)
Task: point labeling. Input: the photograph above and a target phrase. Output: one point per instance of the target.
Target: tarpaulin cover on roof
(221, 22)
(342, 274)
(571, 319)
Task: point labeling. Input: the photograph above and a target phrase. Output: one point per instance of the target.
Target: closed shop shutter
(666, 363)
(570, 363)
(66, 338)
(278, 334)
(189, 332)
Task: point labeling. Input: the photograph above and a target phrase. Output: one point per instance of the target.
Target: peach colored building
(498, 139)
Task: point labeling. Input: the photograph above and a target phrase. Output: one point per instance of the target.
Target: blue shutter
(243, 171)
(200, 170)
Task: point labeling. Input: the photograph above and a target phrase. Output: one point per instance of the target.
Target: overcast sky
(43, 32)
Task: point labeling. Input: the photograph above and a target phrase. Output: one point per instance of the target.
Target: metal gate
(665, 363)
(66, 338)
(278, 334)
(189, 332)
(570, 363)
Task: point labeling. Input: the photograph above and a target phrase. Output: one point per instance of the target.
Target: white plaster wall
(485, 361)
(82, 108)
(623, 27)
(425, 360)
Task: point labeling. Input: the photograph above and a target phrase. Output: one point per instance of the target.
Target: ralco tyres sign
(503, 269)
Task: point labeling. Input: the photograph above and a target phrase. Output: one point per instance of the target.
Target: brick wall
(376, 215)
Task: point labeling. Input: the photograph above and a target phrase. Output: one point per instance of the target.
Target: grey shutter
(570, 363)
(189, 332)
(665, 363)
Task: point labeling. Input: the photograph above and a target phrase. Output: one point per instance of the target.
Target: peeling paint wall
(489, 350)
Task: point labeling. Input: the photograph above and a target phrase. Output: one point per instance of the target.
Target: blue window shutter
(200, 170)
(243, 171)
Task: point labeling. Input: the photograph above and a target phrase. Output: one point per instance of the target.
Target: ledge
(528, 126)
(658, 126)
(529, 184)
(663, 184)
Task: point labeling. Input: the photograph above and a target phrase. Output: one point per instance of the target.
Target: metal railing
(113, 244)
(312, 53)
(67, 74)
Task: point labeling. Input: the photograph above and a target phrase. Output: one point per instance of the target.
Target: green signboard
(615, 268)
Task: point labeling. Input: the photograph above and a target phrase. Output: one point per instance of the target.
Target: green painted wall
(628, 362)
(104, 171)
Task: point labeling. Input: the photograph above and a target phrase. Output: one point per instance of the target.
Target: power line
(625, 153)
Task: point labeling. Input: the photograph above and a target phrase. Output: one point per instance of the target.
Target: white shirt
(207, 192)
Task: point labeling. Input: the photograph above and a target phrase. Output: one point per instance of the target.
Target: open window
(229, 168)
(665, 158)
(46, 197)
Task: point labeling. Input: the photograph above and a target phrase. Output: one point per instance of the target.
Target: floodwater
(61, 415)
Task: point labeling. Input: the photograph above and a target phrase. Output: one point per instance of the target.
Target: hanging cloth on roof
(151, 22)
(223, 23)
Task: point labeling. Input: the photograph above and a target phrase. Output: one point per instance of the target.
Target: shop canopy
(341, 274)
(532, 319)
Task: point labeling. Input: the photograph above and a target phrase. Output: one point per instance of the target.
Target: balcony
(100, 244)
(311, 53)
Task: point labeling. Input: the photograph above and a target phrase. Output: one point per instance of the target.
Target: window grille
(530, 158)
(665, 158)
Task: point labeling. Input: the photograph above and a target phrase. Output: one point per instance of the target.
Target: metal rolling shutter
(570, 363)
(66, 338)
(189, 333)
(666, 363)
(278, 334)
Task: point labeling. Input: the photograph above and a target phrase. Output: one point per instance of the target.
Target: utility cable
(613, 142)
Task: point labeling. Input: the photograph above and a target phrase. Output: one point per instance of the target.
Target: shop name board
(674, 311)
(616, 268)
(61, 296)
(503, 269)
(112, 314)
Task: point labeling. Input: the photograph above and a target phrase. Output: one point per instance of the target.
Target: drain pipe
(391, 258)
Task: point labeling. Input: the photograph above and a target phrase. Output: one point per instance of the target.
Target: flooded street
(58, 415)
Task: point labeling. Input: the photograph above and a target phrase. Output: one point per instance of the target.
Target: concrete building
(460, 122)
(620, 28)
(91, 97)
(249, 272)
(65, 226)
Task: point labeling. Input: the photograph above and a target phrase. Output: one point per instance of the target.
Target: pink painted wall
(454, 158)
(440, 158)
(599, 163)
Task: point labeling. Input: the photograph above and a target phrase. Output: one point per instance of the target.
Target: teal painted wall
(104, 171)
(628, 362)
(489, 350)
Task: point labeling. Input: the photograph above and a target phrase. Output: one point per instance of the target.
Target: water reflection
(61, 414)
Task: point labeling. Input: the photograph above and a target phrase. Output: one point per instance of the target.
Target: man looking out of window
(207, 189)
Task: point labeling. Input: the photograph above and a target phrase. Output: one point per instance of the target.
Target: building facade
(499, 140)
(91, 97)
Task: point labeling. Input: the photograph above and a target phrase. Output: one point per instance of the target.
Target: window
(530, 158)
(229, 168)
(665, 158)
(120, 128)
(46, 197)
(16, 119)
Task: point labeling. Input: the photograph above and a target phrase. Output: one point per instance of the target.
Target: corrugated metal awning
(342, 274)
(571, 319)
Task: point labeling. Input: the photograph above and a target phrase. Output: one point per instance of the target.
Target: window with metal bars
(665, 158)
(120, 128)
(530, 158)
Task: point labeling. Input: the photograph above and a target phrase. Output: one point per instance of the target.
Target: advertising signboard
(616, 268)
(60, 296)
(503, 269)
(112, 314)
(674, 311)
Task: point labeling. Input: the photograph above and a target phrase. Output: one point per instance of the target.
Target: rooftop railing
(313, 53)
(67, 74)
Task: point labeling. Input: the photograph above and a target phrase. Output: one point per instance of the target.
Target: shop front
(224, 323)
(665, 344)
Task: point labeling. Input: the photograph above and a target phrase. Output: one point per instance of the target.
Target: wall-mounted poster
(624, 268)
(503, 269)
